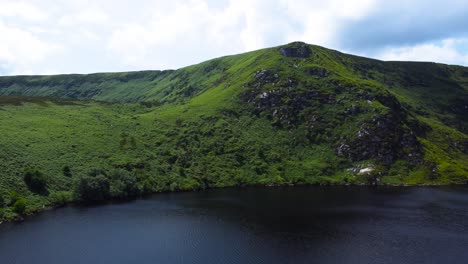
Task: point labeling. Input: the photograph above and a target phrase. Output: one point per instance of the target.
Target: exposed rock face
(282, 103)
(383, 138)
(297, 50)
(264, 77)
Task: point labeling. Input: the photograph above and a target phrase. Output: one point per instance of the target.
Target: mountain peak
(296, 50)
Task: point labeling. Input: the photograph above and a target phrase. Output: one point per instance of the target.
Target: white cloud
(446, 52)
(116, 35)
(186, 28)
(89, 15)
(21, 49)
(22, 10)
(321, 20)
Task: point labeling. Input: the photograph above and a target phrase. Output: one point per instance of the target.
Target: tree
(66, 171)
(92, 189)
(2, 201)
(124, 184)
(35, 181)
(19, 206)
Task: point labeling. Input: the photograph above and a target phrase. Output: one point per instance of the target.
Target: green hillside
(295, 114)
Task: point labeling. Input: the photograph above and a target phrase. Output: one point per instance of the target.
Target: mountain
(288, 115)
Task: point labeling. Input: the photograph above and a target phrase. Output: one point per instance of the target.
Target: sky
(81, 36)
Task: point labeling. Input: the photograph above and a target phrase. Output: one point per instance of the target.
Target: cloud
(87, 16)
(320, 20)
(21, 50)
(22, 10)
(402, 23)
(194, 30)
(163, 30)
(447, 51)
(117, 35)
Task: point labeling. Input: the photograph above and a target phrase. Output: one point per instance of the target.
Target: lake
(253, 225)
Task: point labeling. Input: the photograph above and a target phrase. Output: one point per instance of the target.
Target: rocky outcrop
(296, 50)
(283, 102)
(384, 138)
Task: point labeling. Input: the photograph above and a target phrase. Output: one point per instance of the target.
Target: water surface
(253, 225)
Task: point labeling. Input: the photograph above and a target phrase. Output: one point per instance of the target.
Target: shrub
(14, 196)
(19, 206)
(123, 142)
(60, 198)
(66, 171)
(97, 172)
(132, 142)
(92, 189)
(35, 181)
(124, 184)
(2, 201)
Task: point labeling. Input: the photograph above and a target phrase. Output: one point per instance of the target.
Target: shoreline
(22, 218)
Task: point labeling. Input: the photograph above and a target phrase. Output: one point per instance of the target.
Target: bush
(92, 189)
(35, 181)
(66, 171)
(97, 172)
(124, 184)
(2, 201)
(19, 206)
(14, 196)
(60, 198)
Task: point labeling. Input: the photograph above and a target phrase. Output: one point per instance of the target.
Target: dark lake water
(253, 225)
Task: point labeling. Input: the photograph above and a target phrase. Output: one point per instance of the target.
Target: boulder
(366, 171)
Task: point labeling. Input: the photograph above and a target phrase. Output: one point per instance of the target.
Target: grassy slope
(221, 123)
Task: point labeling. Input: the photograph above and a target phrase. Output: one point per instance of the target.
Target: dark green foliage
(97, 172)
(92, 189)
(152, 103)
(36, 181)
(132, 142)
(14, 196)
(123, 142)
(127, 141)
(66, 171)
(2, 201)
(60, 198)
(19, 206)
(124, 184)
